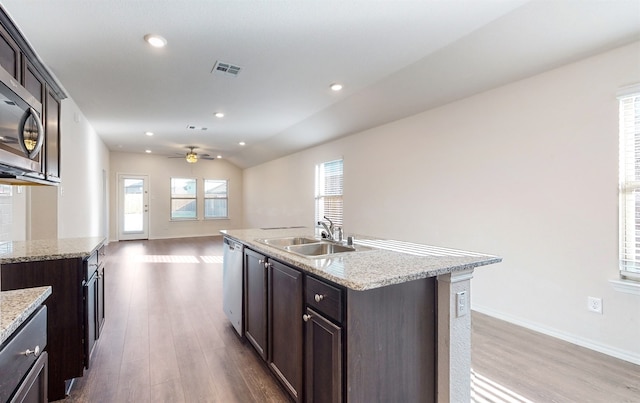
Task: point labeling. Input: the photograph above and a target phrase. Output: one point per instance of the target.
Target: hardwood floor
(166, 339)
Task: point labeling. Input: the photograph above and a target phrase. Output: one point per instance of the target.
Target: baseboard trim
(580, 341)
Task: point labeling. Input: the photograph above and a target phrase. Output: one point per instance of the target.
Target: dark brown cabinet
(323, 343)
(23, 362)
(323, 370)
(286, 326)
(71, 312)
(9, 54)
(52, 138)
(332, 344)
(93, 301)
(273, 317)
(34, 386)
(21, 62)
(255, 300)
(100, 315)
(33, 82)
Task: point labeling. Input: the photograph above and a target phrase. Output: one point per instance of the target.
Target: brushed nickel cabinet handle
(306, 317)
(35, 352)
(318, 297)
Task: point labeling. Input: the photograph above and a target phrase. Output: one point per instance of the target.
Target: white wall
(527, 171)
(160, 169)
(83, 158)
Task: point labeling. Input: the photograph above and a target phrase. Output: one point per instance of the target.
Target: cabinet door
(33, 82)
(33, 388)
(286, 326)
(255, 294)
(90, 293)
(100, 302)
(323, 375)
(52, 138)
(9, 54)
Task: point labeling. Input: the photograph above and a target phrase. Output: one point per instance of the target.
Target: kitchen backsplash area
(6, 212)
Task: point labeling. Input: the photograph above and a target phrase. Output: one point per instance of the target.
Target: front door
(133, 207)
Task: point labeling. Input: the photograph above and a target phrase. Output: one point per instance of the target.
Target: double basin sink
(308, 247)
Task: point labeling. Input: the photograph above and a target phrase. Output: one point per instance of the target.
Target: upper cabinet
(21, 63)
(9, 54)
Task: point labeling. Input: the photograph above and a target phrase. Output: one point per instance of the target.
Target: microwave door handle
(25, 117)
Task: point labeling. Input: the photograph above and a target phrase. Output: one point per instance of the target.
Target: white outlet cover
(594, 304)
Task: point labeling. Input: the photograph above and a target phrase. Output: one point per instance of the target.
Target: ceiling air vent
(225, 69)
(194, 127)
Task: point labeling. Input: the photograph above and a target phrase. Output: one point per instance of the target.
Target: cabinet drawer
(14, 362)
(90, 265)
(324, 297)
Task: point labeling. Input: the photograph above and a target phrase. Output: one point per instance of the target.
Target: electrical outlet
(594, 304)
(462, 303)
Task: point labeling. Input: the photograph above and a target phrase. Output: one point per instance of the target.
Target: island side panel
(454, 337)
(391, 343)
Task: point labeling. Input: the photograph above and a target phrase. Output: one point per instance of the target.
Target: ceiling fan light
(192, 158)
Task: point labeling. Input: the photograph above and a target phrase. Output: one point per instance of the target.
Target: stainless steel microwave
(21, 131)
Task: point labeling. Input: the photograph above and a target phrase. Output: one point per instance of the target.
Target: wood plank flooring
(166, 339)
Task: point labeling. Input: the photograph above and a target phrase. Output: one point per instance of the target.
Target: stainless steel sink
(319, 249)
(309, 247)
(287, 241)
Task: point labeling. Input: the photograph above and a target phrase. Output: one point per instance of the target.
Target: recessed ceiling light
(155, 40)
(149, 133)
(219, 156)
(219, 114)
(147, 151)
(242, 143)
(336, 87)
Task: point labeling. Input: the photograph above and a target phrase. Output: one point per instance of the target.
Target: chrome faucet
(328, 229)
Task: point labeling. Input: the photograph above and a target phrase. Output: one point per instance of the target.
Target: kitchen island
(17, 306)
(74, 269)
(387, 322)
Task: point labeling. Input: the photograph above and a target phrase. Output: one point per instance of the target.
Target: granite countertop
(17, 305)
(48, 249)
(380, 262)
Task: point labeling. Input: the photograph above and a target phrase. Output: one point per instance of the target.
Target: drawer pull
(35, 352)
(318, 297)
(306, 317)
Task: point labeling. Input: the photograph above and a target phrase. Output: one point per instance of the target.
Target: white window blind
(215, 198)
(329, 191)
(183, 199)
(630, 185)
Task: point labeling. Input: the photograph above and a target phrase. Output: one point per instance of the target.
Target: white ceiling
(395, 59)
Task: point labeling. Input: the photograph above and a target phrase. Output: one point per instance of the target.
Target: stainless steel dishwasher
(232, 283)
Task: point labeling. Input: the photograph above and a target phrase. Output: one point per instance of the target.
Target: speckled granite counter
(47, 249)
(383, 263)
(17, 305)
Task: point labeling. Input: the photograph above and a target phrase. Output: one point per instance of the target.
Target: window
(215, 199)
(329, 191)
(630, 184)
(183, 199)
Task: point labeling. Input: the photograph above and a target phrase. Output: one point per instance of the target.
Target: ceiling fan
(192, 157)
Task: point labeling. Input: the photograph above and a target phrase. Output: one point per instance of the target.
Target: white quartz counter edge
(367, 269)
(48, 249)
(17, 305)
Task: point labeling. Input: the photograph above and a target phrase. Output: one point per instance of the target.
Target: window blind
(183, 198)
(329, 182)
(630, 185)
(215, 198)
